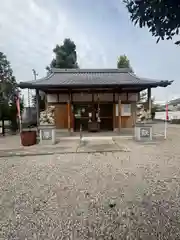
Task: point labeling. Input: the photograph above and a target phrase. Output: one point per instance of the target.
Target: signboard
(126, 110)
(117, 110)
(46, 134)
(52, 98)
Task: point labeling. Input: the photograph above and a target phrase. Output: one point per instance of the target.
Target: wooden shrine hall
(95, 99)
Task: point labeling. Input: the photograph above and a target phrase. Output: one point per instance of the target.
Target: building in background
(29, 116)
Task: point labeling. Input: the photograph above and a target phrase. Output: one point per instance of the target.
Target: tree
(7, 80)
(12, 117)
(8, 89)
(123, 62)
(65, 56)
(162, 18)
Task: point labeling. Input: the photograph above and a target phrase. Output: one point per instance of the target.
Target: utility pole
(35, 74)
(29, 94)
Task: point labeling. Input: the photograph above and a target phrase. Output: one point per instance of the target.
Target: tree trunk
(3, 127)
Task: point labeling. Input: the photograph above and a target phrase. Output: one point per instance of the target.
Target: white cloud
(29, 32)
(30, 29)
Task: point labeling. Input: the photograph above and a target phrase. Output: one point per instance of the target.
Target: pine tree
(65, 56)
(123, 62)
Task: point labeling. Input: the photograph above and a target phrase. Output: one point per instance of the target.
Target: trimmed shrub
(175, 121)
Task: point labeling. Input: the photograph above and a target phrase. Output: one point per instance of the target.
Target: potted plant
(27, 133)
(28, 136)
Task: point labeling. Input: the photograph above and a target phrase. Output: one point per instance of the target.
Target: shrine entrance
(93, 117)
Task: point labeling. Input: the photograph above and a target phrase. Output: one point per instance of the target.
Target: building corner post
(37, 107)
(149, 100)
(69, 115)
(119, 113)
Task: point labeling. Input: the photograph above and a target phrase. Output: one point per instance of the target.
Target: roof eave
(24, 85)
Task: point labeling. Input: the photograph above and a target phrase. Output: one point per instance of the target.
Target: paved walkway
(11, 146)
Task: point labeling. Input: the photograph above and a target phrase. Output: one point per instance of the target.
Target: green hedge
(175, 121)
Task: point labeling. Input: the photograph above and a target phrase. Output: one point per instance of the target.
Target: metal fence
(6, 127)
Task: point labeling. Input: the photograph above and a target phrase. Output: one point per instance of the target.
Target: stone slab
(15, 148)
(100, 146)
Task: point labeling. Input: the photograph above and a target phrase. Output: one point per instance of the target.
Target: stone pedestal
(47, 134)
(143, 132)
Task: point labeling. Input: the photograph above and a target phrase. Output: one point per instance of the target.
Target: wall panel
(61, 116)
(82, 97)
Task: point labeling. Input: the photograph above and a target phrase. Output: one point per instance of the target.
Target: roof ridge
(90, 70)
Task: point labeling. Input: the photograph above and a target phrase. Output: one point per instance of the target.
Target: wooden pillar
(69, 115)
(93, 108)
(37, 107)
(119, 117)
(46, 101)
(114, 112)
(149, 99)
(133, 112)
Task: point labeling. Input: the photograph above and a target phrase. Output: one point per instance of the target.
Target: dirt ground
(120, 195)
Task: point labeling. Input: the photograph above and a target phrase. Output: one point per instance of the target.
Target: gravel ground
(125, 195)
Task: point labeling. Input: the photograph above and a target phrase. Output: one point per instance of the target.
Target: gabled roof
(92, 78)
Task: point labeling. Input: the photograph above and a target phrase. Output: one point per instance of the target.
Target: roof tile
(92, 77)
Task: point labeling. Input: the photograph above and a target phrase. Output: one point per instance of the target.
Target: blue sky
(102, 31)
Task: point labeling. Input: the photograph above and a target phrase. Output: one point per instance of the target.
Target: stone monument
(143, 129)
(47, 126)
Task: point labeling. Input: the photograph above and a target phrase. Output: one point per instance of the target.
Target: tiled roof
(69, 78)
(174, 101)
